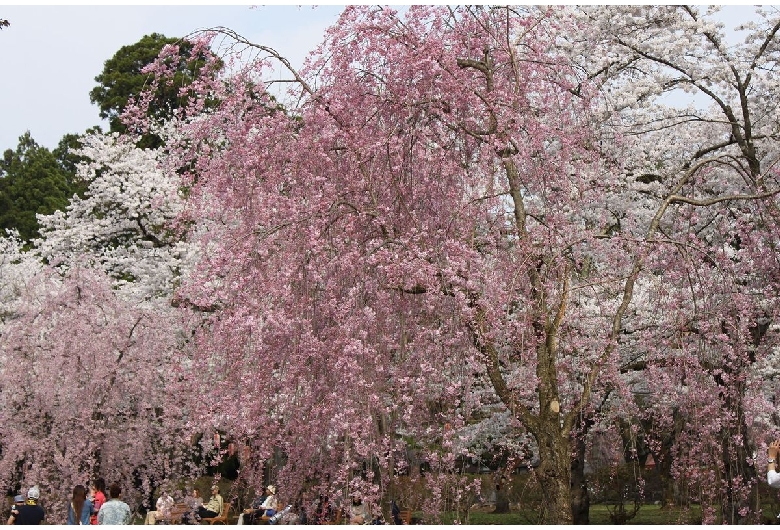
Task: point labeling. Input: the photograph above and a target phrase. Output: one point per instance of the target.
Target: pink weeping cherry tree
(89, 334)
(448, 200)
(83, 389)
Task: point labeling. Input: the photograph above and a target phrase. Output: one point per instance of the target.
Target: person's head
(19, 499)
(34, 493)
(215, 490)
(195, 492)
(115, 491)
(271, 489)
(79, 492)
(79, 496)
(100, 484)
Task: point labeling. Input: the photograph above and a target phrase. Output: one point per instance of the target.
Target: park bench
(405, 516)
(338, 514)
(264, 518)
(221, 518)
(174, 516)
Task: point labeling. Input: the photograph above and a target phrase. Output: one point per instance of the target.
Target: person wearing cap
(214, 507)
(31, 512)
(270, 502)
(18, 501)
(266, 507)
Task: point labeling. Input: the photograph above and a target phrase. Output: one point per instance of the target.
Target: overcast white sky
(50, 55)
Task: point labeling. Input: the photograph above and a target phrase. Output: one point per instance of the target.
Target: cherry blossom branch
(716, 200)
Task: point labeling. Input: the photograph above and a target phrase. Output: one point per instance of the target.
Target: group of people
(264, 505)
(196, 509)
(29, 510)
(96, 508)
(84, 507)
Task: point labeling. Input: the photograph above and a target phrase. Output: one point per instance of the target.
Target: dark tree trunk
(580, 498)
(502, 499)
(554, 474)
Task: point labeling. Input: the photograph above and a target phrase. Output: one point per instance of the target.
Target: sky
(50, 54)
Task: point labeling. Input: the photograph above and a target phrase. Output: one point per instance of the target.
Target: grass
(649, 514)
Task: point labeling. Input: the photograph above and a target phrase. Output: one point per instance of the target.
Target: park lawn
(649, 514)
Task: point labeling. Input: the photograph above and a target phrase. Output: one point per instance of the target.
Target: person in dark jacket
(31, 512)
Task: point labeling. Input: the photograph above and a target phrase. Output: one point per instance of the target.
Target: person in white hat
(31, 512)
(249, 514)
(270, 502)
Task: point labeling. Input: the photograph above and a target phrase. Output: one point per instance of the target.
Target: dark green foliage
(122, 79)
(32, 180)
(69, 161)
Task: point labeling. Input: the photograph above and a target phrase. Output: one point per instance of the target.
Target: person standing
(80, 508)
(214, 507)
(18, 501)
(115, 511)
(31, 512)
(97, 493)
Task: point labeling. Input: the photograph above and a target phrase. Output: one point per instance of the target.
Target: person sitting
(193, 502)
(213, 508)
(772, 475)
(268, 506)
(358, 512)
(324, 512)
(249, 513)
(164, 505)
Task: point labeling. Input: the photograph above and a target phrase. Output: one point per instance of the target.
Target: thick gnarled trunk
(554, 475)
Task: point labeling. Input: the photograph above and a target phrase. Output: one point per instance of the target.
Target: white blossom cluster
(123, 224)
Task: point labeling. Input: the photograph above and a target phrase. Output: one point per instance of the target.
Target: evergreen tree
(123, 79)
(32, 181)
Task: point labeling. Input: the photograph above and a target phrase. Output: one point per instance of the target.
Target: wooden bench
(405, 516)
(264, 518)
(221, 518)
(175, 515)
(338, 514)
